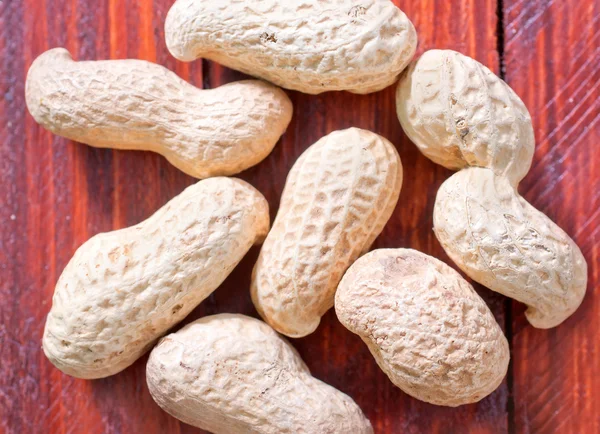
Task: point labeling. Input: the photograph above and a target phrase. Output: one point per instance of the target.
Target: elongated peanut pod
(501, 241)
(312, 46)
(124, 289)
(337, 198)
(427, 328)
(460, 114)
(134, 104)
(233, 374)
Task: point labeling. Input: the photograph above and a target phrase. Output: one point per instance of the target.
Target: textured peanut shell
(461, 114)
(134, 104)
(427, 328)
(124, 289)
(502, 242)
(336, 201)
(312, 46)
(233, 374)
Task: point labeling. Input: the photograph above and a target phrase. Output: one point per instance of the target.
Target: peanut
(134, 104)
(124, 289)
(427, 328)
(337, 198)
(312, 46)
(233, 374)
(504, 243)
(463, 116)
(460, 114)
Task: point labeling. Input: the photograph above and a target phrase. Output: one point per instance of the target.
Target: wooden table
(55, 194)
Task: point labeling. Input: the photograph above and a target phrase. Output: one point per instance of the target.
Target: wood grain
(55, 194)
(551, 56)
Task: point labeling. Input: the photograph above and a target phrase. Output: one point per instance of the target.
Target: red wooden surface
(55, 194)
(552, 53)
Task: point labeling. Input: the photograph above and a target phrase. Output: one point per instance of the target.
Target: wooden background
(55, 194)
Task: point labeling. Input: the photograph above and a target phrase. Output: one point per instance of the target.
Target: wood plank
(551, 55)
(56, 194)
(61, 193)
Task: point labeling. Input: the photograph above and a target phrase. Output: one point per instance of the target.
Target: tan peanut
(312, 46)
(124, 289)
(337, 198)
(460, 114)
(504, 243)
(134, 104)
(427, 328)
(233, 374)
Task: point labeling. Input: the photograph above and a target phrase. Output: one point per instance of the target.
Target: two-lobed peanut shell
(337, 199)
(425, 325)
(124, 289)
(231, 373)
(462, 116)
(134, 104)
(312, 46)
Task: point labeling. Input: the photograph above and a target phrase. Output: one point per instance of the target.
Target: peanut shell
(312, 46)
(427, 328)
(337, 199)
(124, 289)
(231, 373)
(134, 104)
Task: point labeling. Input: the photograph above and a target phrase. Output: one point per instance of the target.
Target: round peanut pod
(124, 289)
(427, 328)
(134, 104)
(233, 374)
(460, 114)
(501, 241)
(337, 199)
(464, 117)
(312, 46)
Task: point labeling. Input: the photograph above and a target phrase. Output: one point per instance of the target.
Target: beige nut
(337, 198)
(124, 289)
(461, 114)
(501, 241)
(233, 374)
(134, 104)
(427, 328)
(312, 46)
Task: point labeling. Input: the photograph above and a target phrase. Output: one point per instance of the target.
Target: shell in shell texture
(461, 114)
(124, 289)
(425, 325)
(337, 199)
(499, 240)
(134, 104)
(312, 46)
(230, 373)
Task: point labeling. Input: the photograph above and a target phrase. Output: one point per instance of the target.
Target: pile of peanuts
(425, 325)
